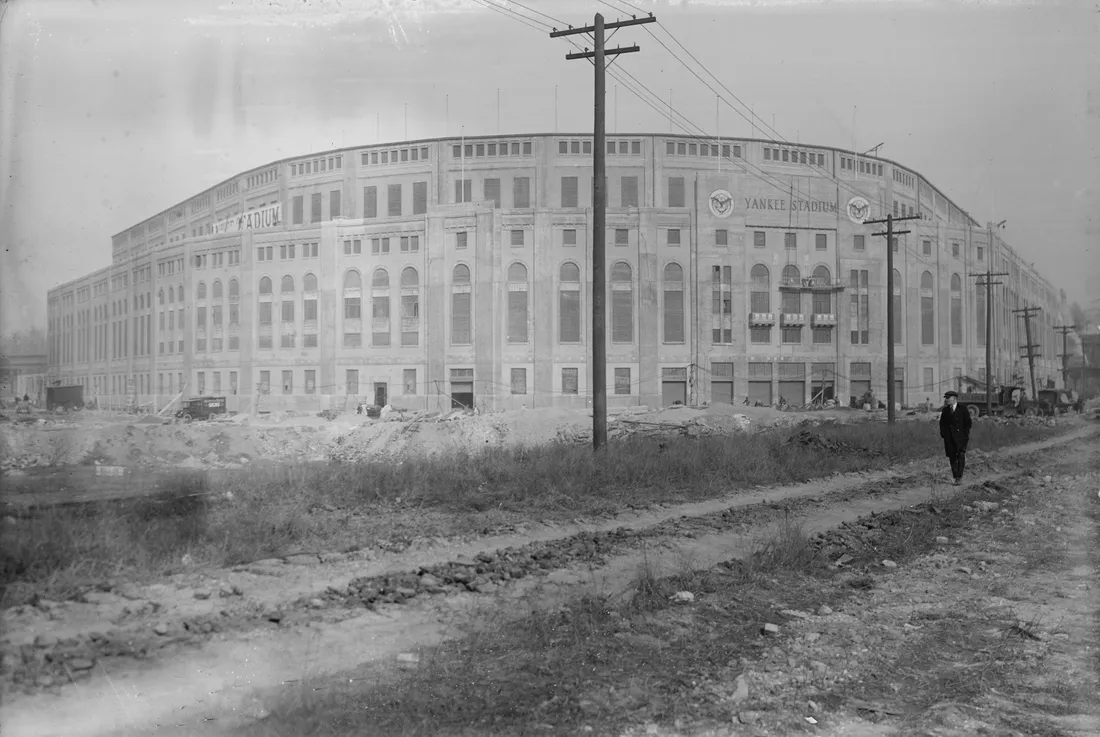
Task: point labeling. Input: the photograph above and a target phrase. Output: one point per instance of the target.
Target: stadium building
(433, 273)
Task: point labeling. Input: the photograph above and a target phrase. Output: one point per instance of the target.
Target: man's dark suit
(955, 431)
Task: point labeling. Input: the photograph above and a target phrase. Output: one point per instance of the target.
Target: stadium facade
(434, 272)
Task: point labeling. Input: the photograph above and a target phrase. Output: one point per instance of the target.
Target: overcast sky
(113, 110)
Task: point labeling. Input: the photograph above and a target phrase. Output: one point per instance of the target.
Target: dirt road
(192, 656)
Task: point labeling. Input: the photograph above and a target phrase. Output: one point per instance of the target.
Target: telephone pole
(1028, 313)
(599, 208)
(890, 233)
(986, 280)
(1064, 330)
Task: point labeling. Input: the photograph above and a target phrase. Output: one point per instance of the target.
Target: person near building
(955, 425)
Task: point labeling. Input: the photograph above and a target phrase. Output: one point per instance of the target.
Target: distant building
(24, 374)
(457, 272)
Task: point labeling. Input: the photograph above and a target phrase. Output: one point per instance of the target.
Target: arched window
(569, 303)
(822, 302)
(234, 291)
(927, 309)
(380, 308)
(410, 306)
(286, 288)
(179, 292)
(200, 292)
(216, 289)
(760, 302)
(461, 326)
(674, 303)
(517, 303)
(160, 295)
(898, 303)
(265, 285)
(791, 298)
(956, 310)
(353, 309)
(622, 303)
(141, 301)
(171, 295)
(309, 308)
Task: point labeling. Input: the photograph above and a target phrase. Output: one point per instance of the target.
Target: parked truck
(1007, 401)
(201, 408)
(64, 398)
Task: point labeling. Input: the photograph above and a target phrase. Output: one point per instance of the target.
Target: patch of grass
(268, 511)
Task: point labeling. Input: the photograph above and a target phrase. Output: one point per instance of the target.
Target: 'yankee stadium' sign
(267, 217)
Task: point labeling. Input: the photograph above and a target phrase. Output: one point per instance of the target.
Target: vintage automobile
(201, 408)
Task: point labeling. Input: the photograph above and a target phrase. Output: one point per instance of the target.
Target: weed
(265, 511)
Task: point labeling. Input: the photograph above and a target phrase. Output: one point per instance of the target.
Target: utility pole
(1028, 313)
(1064, 330)
(599, 207)
(986, 280)
(890, 233)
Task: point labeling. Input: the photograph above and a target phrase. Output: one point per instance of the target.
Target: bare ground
(294, 621)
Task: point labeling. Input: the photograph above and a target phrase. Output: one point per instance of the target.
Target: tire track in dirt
(224, 677)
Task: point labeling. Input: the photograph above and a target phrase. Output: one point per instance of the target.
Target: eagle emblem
(721, 203)
(858, 209)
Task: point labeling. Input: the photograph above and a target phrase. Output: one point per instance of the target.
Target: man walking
(955, 425)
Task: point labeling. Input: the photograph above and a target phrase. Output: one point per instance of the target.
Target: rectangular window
(265, 313)
(491, 189)
(309, 309)
(759, 239)
(311, 381)
(622, 381)
(981, 253)
(859, 243)
(569, 237)
(821, 242)
(926, 248)
(629, 191)
(288, 311)
(569, 381)
(790, 241)
(521, 192)
(334, 210)
(460, 239)
(673, 236)
(288, 382)
(675, 191)
(954, 250)
(409, 381)
(420, 198)
(463, 190)
(315, 207)
(622, 237)
(393, 200)
(517, 237)
(721, 237)
(569, 191)
(519, 381)
(351, 381)
(296, 207)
